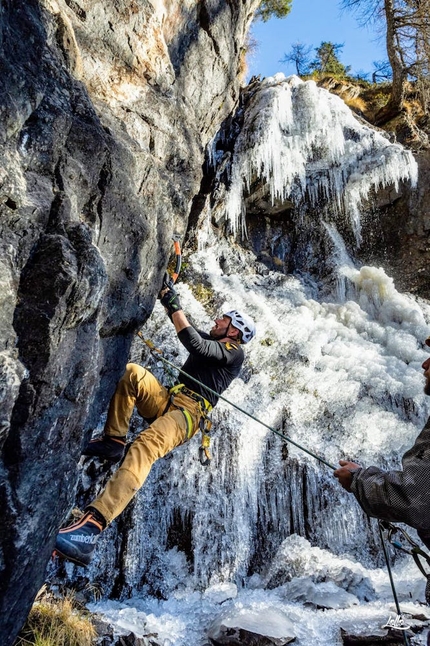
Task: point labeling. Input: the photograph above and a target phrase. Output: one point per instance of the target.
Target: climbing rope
(152, 347)
(397, 623)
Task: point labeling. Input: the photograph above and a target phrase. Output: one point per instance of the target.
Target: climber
(175, 415)
(396, 496)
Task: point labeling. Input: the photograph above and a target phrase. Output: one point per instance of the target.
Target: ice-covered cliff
(305, 146)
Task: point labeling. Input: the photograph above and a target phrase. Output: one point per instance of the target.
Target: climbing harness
(396, 623)
(205, 423)
(204, 405)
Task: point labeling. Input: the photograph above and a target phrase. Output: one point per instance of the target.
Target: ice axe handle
(168, 281)
(178, 253)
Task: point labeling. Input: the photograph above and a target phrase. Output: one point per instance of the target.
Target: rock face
(104, 120)
(399, 238)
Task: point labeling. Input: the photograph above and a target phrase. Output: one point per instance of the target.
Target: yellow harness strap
(205, 406)
(189, 421)
(205, 423)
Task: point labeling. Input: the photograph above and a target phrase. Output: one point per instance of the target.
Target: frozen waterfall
(342, 379)
(308, 146)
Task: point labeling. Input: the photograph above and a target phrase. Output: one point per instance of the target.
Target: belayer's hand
(346, 473)
(170, 300)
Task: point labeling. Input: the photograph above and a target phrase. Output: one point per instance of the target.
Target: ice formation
(307, 145)
(341, 377)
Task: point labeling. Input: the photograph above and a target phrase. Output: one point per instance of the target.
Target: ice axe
(170, 280)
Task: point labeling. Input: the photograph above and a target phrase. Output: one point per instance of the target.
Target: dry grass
(203, 294)
(56, 622)
(356, 103)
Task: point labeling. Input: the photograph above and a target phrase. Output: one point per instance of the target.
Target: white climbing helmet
(243, 323)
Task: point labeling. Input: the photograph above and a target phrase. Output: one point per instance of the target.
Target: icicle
(305, 142)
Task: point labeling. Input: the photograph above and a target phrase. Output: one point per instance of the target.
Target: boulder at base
(322, 595)
(252, 627)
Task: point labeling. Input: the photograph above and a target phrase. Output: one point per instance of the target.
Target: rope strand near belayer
(396, 623)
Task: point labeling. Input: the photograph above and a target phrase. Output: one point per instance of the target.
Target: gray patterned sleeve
(399, 496)
(382, 494)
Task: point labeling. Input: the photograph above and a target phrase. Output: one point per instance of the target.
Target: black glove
(170, 301)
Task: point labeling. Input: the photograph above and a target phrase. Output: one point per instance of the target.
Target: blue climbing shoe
(77, 542)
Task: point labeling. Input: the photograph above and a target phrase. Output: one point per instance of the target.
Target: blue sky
(311, 22)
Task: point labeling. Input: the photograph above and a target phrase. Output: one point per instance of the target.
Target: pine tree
(327, 61)
(273, 9)
(407, 33)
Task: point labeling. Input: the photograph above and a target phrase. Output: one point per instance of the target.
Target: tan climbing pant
(173, 426)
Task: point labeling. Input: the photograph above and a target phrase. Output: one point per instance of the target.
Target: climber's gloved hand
(170, 301)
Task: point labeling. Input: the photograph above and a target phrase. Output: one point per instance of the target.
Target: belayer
(400, 495)
(175, 416)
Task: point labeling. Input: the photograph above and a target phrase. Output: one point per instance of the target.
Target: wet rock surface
(399, 238)
(371, 640)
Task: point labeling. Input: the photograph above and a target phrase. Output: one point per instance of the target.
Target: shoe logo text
(81, 538)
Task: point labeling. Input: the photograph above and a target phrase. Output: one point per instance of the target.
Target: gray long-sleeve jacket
(399, 496)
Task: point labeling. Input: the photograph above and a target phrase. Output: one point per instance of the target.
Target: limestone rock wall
(105, 110)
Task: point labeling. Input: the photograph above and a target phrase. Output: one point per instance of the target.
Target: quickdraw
(406, 544)
(149, 343)
(204, 453)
